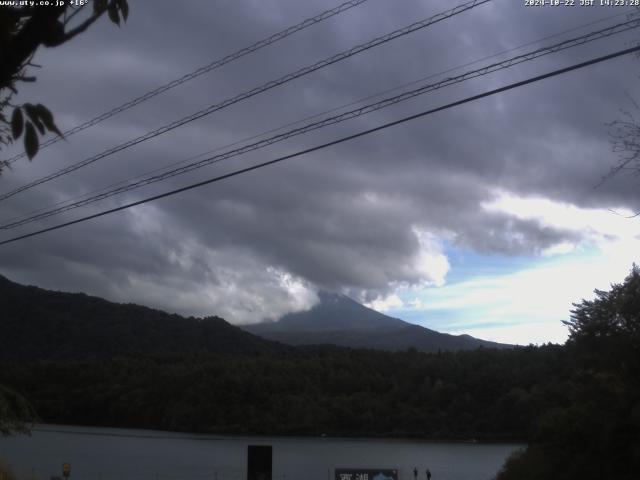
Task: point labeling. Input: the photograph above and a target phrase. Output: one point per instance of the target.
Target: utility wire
(571, 43)
(329, 144)
(201, 71)
(255, 91)
(316, 115)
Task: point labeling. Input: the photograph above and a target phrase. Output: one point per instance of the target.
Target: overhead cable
(329, 144)
(255, 91)
(571, 43)
(200, 71)
(315, 115)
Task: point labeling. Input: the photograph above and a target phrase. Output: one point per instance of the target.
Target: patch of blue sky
(467, 264)
(493, 293)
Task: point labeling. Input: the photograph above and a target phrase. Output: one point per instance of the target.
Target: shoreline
(212, 436)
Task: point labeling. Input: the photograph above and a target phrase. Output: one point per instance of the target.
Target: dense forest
(486, 394)
(576, 405)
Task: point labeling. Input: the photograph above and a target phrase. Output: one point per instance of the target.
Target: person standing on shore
(428, 474)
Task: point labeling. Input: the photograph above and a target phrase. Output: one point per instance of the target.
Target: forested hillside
(43, 324)
(46, 324)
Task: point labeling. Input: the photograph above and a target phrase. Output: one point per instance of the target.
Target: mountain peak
(339, 320)
(333, 312)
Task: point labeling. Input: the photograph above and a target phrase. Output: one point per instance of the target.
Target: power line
(329, 144)
(570, 43)
(69, 201)
(201, 71)
(255, 91)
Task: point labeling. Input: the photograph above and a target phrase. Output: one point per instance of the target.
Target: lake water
(120, 454)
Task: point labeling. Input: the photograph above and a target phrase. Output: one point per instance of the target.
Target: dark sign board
(366, 474)
(259, 462)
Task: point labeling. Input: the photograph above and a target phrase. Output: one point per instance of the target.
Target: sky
(489, 218)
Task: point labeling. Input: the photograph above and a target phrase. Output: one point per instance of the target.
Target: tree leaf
(99, 6)
(33, 114)
(31, 143)
(113, 13)
(123, 5)
(17, 123)
(47, 118)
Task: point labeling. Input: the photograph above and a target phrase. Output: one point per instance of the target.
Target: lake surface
(122, 454)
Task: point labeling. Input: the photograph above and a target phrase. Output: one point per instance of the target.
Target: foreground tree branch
(23, 30)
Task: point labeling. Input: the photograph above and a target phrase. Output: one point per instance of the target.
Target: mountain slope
(334, 312)
(339, 320)
(43, 324)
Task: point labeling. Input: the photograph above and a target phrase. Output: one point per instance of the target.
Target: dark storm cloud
(354, 217)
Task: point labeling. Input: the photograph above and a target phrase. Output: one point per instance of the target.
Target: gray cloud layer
(346, 218)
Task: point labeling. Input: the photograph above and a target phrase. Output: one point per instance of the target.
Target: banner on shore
(365, 474)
